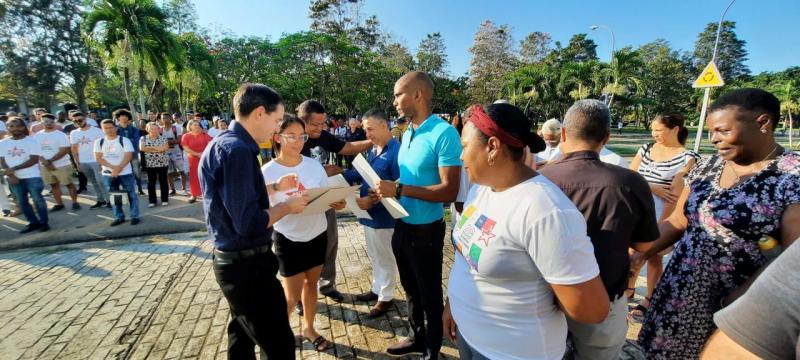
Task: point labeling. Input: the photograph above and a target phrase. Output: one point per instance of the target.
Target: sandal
(637, 313)
(320, 343)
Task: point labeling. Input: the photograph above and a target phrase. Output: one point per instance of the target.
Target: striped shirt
(662, 172)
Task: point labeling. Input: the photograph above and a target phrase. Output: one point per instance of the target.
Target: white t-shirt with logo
(16, 152)
(85, 140)
(51, 143)
(311, 174)
(509, 247)
(114, 152)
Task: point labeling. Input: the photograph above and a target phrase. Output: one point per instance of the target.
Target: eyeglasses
(295, 138)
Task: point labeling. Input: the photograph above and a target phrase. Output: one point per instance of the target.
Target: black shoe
(81, 190)
(6, 213)
(141, 193)
(334, 295)
(298, 308)
(44, 228)
(173, 193)
(107, 204)
(367, 296)
(135, 221)
(29, 228)
(117, 222)
(380, 308)
(76, 206)
(406, 347)
(57, 207)
(98, 204)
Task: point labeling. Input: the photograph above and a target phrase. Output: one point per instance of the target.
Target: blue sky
(770, 27)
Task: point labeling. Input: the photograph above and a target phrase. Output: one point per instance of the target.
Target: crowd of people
(550, 229)
(114, 155)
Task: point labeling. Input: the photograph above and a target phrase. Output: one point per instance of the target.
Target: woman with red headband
(523, 257)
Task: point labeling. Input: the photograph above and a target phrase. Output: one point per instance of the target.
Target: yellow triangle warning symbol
(710, 77)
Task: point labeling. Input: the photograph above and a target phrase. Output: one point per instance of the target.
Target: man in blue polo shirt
(378, 230)
(430, 168)
(239, 217)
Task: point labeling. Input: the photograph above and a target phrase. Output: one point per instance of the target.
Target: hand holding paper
(368, 174)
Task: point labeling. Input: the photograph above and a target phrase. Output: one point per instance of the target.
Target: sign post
(710, 77)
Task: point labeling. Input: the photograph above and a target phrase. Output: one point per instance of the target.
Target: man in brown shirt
(619, 211)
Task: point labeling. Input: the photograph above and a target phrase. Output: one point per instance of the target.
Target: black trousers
(258, 307)
(418, 251)
(159, 174)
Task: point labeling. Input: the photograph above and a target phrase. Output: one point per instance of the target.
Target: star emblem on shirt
(84, 140)
(16, 152)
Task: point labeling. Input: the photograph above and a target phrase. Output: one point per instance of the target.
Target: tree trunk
(79, 86)
(22, 104)
(142, 106)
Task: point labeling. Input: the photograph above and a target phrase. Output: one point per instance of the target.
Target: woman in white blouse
(523, 260)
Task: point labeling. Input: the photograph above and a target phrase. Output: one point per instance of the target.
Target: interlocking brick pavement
(156, 298)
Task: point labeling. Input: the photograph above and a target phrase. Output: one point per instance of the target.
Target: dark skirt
(295, 257)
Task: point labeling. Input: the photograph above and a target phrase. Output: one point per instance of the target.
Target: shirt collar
(425, 124)
(580, 155)
(245, 136)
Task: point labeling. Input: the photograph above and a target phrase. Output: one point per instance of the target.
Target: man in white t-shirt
(551, 133)
(172, 132)
(55, 165)
(114, 154)
(82, 140)
(5, 205)
(19, 156)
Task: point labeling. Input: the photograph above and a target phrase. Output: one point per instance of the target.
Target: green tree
(138, 30)
(665, 80)
(731, 53)
(579, 48)
(431, 56)
(624, 74)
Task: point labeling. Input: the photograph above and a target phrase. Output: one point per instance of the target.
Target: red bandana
(489, 128)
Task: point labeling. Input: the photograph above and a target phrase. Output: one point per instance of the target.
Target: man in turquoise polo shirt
(430, 168)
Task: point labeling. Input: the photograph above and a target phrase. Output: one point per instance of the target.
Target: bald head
(413, 94)
(417, 81)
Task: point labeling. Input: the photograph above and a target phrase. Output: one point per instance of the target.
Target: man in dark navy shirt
(313, 113)
(239, 217)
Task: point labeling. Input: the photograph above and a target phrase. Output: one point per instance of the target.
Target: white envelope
(338, 180)
(371, 177)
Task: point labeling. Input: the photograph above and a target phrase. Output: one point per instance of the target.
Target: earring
(491, 161)
(763, 131)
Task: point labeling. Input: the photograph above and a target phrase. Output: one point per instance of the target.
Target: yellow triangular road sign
(710, 77)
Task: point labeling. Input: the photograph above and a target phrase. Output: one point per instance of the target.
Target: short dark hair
(16, 119)
(250, 96)
(375, 114)
(107, 121)
(76, 113)
(49, 116)
(514, 122)
(750, 99)
(589, 120)
(308, 107)
(122, 112)
(164, 114)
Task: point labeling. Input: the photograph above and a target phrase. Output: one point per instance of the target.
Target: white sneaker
(151, 205)
(185, 192)
(164, 203)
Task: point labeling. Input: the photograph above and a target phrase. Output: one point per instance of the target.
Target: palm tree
(789, 95)
(139, 30)
(580, 74)
(624, 68)
(195, 73)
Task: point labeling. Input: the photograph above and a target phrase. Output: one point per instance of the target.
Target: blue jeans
(34, 187)
(128, 183)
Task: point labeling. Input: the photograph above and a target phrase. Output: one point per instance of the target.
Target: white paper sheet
(328, 196)
(338, 180)
(371, 177)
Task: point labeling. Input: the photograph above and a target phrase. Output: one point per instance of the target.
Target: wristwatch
(398, 190)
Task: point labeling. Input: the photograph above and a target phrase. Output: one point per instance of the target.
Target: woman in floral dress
(749, 190)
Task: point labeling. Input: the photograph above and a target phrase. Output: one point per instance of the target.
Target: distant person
(114, 154)
(82, 140)
(664, 165)
(620, 125)
(194, 143)
(155, 164)
(219, 126)
(400, 126)
(56, 168)
(172, 132)
(126, 129)
(551, 133)
(19, 162)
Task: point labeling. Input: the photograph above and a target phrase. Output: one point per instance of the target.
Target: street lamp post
(707, 91)
(613, 50)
